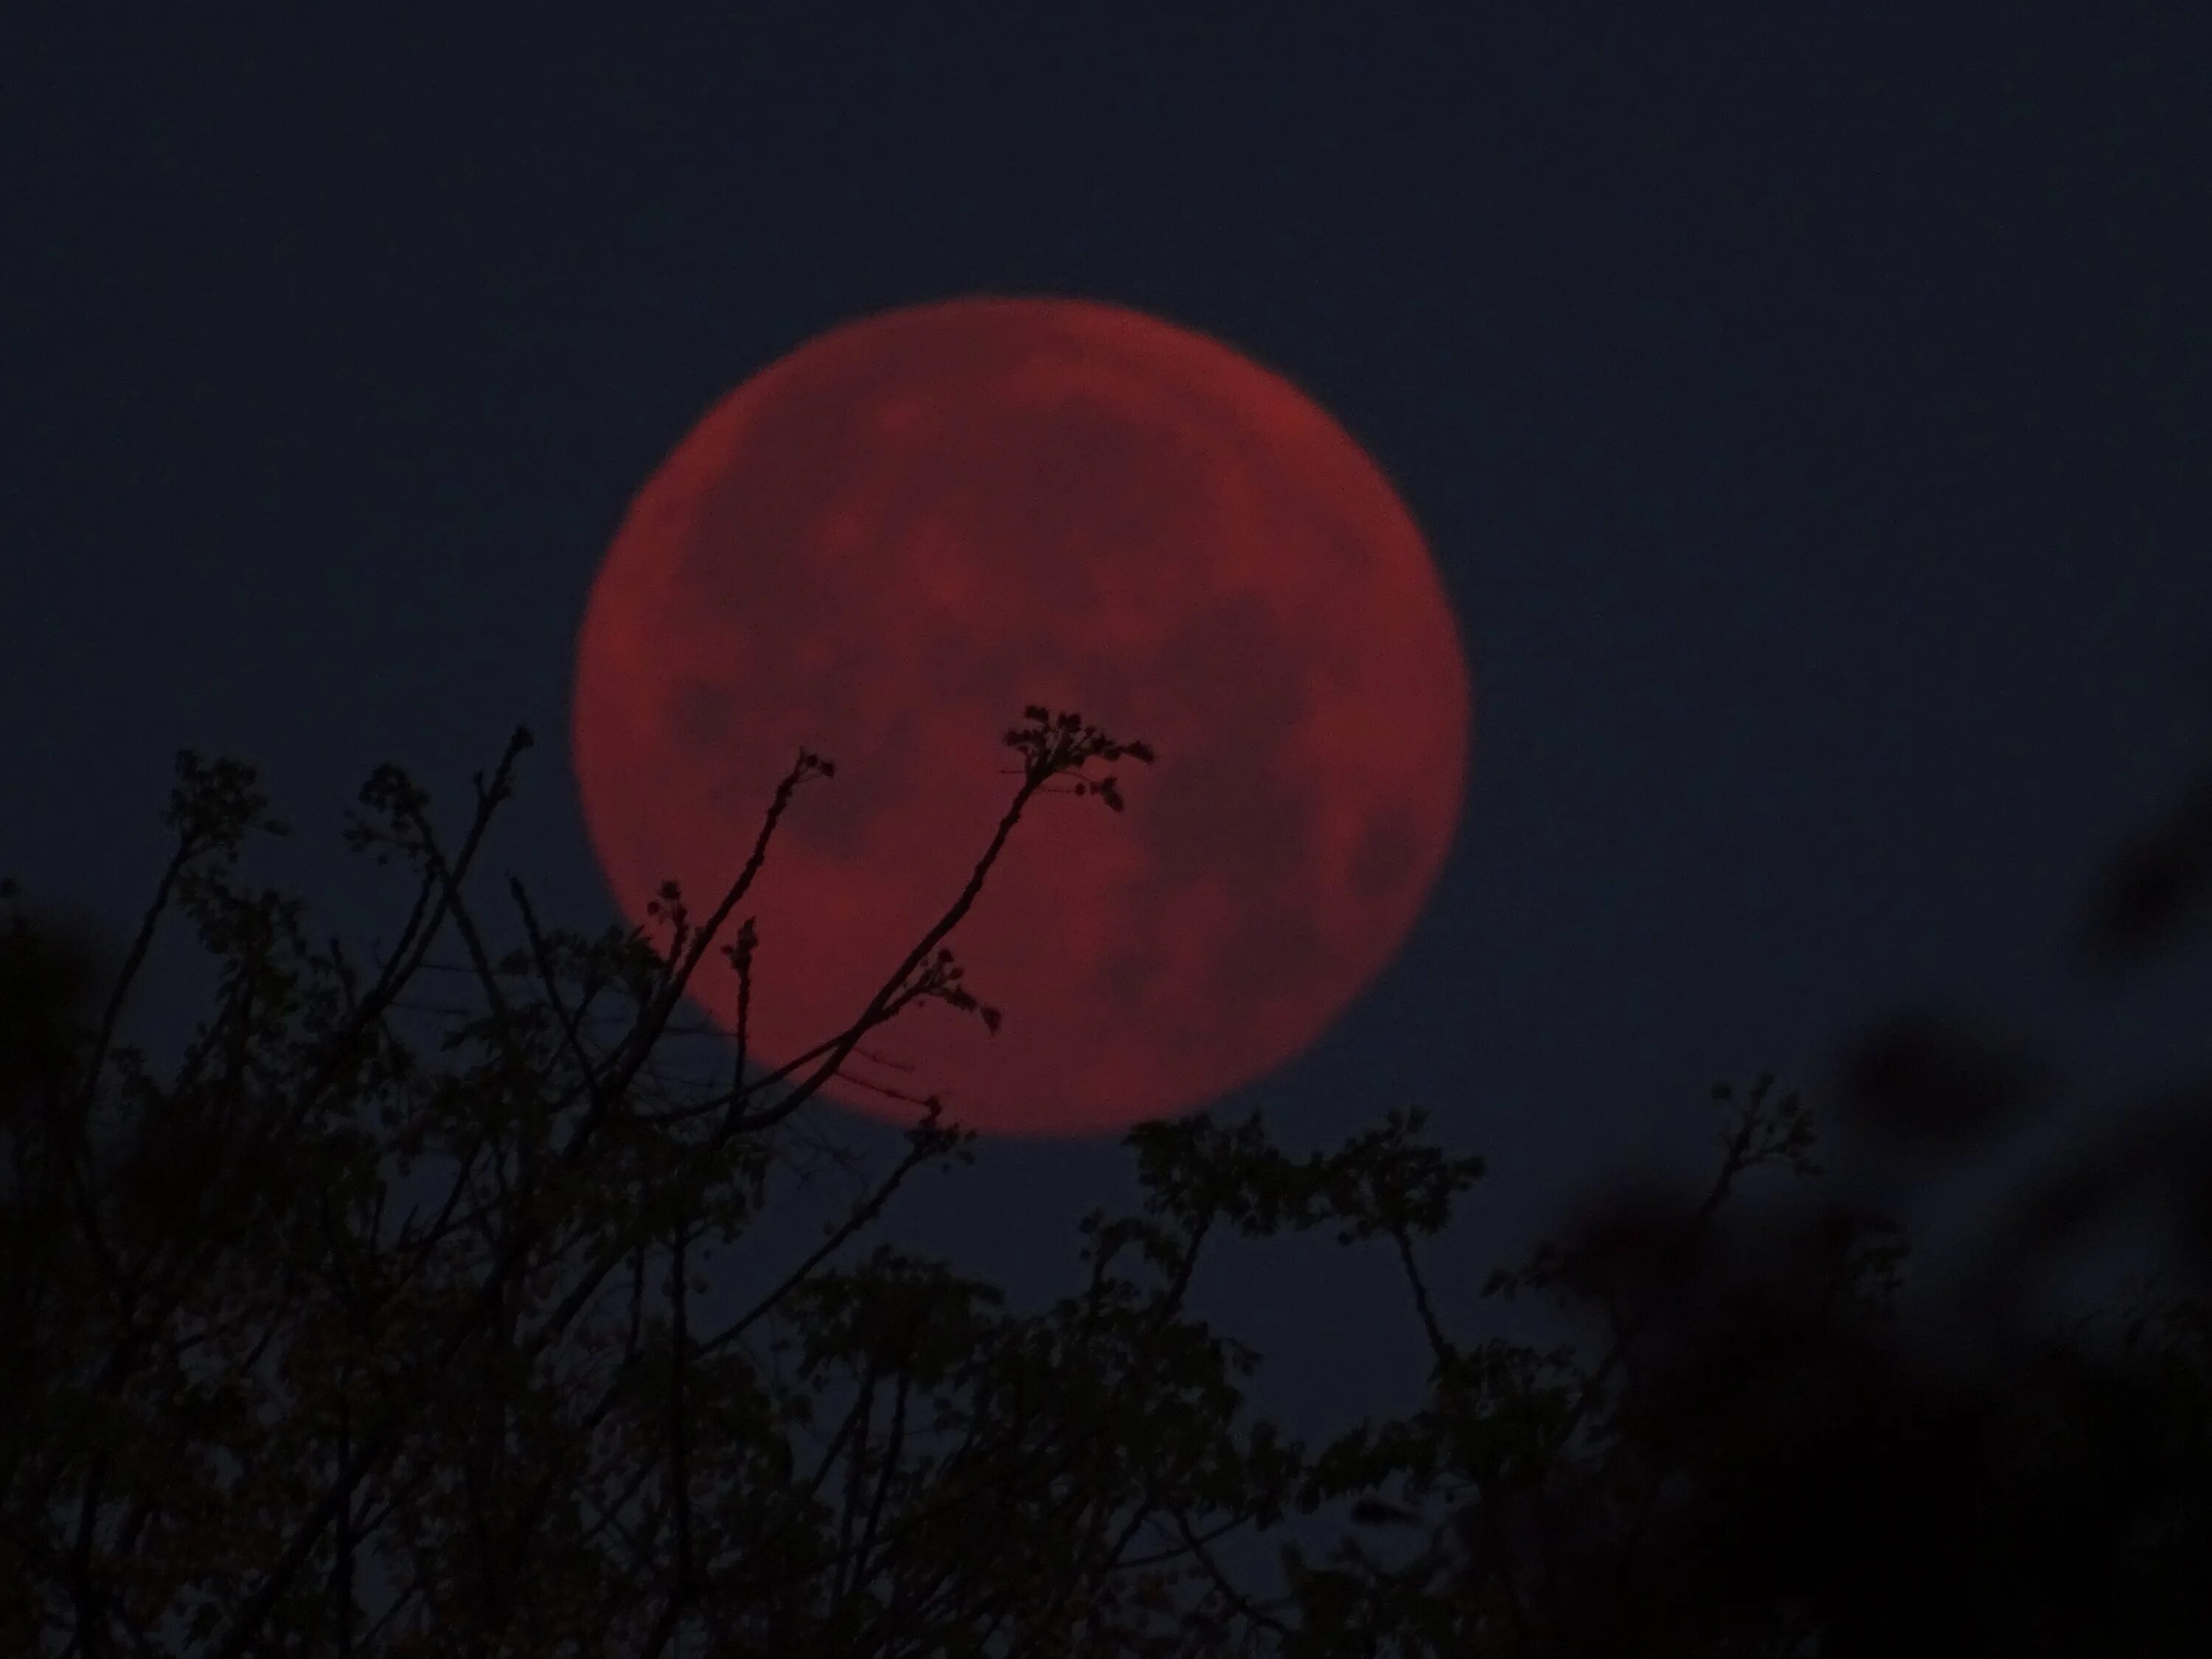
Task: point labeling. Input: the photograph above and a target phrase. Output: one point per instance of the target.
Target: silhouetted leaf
(1920, 1079)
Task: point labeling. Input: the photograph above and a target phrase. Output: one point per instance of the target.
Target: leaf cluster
(256, 1399)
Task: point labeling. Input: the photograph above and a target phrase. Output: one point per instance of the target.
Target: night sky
(1808, 421)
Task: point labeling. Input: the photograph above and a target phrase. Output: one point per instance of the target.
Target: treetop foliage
(255, 1400)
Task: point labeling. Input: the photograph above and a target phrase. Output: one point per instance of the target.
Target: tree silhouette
(248, 1411)
(1763, 1458)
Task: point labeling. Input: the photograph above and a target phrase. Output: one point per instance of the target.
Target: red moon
(884, 546)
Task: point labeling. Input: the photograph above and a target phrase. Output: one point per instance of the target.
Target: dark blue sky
(1809, 419)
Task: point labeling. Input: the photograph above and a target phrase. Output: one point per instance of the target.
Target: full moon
(882, 548)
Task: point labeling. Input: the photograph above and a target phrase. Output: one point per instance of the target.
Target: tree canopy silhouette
(247, 1409)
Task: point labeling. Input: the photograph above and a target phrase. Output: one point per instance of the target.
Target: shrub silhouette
(249, 1411)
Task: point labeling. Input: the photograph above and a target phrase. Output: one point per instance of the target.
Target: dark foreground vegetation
(255, 1401)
